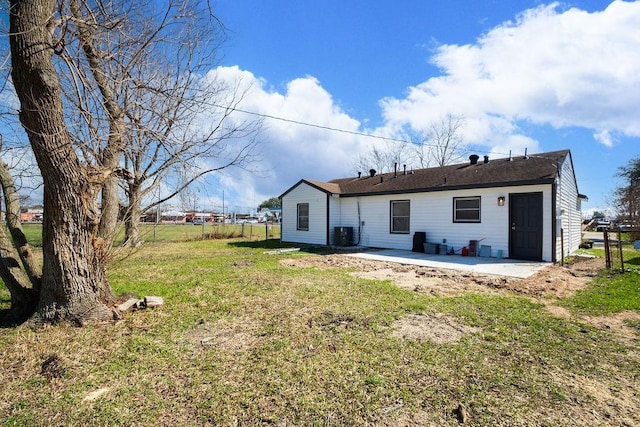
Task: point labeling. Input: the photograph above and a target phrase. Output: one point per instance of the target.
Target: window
(466, 209)
(400, 216)
(303, 216)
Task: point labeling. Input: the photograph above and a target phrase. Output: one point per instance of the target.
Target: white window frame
(456, 209)
(393, 217)
(301, 219)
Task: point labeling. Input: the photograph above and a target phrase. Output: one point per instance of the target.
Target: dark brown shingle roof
(539, 168)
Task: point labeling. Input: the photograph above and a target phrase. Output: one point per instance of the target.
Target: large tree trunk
(74, 285)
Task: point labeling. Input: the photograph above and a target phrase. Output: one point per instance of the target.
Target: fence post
(607, 253)
(620, 252)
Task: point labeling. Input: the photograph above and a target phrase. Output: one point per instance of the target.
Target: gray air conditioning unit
(343, 236)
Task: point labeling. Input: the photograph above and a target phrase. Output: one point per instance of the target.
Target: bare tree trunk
(132, 221)
(24, 288)
(74, 285)
(12, 211)
(110, 156)
(23, 297)
(110, 208)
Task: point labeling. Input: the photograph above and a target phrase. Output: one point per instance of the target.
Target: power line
(349, 132)
(298, 122)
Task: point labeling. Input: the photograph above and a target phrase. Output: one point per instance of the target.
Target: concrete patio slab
(494, 266)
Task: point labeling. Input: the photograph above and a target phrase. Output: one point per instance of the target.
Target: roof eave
(452, 188)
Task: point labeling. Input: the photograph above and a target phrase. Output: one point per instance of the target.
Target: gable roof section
(325, 187)
(541, 168)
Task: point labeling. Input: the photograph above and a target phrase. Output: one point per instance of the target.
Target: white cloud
(559, 68)
(604, 138)
(290, 150)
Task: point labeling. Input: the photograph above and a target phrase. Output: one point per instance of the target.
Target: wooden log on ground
(128, 305)
(153, 301)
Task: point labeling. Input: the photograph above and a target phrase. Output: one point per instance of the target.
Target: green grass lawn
(612, 291)
(245, 340)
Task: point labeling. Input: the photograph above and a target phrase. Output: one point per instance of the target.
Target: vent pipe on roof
(486, 159)
(525, 154)
(510, 159)
(405, 169)
(474, 159)
(359, 174)
(395, 170)
(372, 173)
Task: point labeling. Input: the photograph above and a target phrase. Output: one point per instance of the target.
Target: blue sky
(524, 75)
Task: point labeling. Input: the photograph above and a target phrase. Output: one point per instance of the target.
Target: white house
(525, 207)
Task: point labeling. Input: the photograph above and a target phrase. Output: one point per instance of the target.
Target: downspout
(359, 223)
(280, 220)
(328, 221)
(554, 229)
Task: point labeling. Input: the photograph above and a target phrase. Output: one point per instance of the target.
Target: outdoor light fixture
(501, 200)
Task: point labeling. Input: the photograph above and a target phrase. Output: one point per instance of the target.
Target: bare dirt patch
(437, 328)
(611, 405)
(546, 286)
(554, 281)
(617, 323)
(233, 337)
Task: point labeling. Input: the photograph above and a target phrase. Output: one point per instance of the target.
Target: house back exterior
(525, 207)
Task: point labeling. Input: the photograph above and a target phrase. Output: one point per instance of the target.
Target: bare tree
(137, 79)
(439, 145)
(178, 138)
(382, 158)
(627, 196)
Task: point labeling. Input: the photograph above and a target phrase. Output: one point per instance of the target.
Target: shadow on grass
(262, 244)
(5, 324)
(277, 244)
(633, 261)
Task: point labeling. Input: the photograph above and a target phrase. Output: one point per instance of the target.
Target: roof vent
(372, 173)
(486, 159)
(474, 159)
(359, 174)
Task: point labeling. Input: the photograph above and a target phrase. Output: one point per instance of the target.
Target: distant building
(32, 215)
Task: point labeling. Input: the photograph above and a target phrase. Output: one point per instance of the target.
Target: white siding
(568, 212)
(334, 217)
(433, 214)
(317, 233)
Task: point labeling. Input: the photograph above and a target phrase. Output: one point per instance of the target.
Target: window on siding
(466, 209)
(400, 210)
(303, 216)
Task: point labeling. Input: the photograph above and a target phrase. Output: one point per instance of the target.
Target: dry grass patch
(229, 335)
(438, 328)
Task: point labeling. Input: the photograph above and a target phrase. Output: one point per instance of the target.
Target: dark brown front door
(525, 218)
